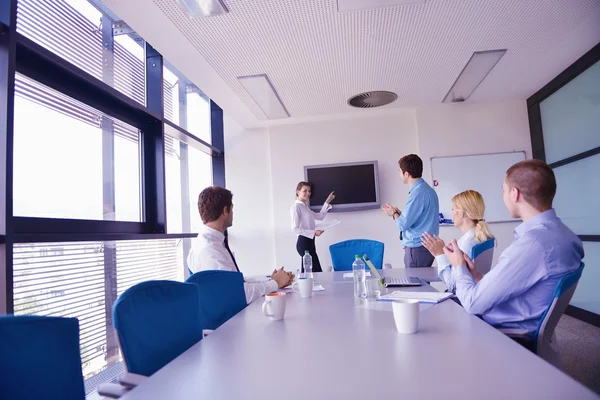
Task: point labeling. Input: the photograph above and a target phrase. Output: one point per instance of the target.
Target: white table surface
(332, 346)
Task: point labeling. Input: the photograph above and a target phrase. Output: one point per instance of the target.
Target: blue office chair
(482, 255)
(543, 339)
(156, 321)
(222, 295)
(40, 358)
(343, 253)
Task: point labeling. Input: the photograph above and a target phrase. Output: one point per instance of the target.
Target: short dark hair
(212, 201)
(412, 164)
(536, 182)
(300, 185)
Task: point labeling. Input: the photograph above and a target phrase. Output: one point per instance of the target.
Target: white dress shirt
(303, 218)
(209, 252)
(465, 243)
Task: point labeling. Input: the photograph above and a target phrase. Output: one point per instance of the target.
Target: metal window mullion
(184, 167)
(218, 141)
(108, 192)
(8, 16)
(153, 157)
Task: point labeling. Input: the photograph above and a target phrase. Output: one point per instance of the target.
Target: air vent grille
(372, 99)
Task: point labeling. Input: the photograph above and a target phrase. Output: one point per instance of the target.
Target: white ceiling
(317, 57)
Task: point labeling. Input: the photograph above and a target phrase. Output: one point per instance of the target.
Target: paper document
(324, 225)
(424, 297)
(351, 274)
(316, 288)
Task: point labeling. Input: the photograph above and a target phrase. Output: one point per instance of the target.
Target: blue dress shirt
(420, 214)
(517, 291)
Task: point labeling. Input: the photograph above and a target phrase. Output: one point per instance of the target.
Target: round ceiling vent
(372, 99)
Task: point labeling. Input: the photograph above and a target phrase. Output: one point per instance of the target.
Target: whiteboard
(481, 172)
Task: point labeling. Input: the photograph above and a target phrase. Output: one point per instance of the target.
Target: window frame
(21, 54)
(538, 149)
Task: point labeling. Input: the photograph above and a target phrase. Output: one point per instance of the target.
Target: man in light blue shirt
(420, 213)
(517, 291)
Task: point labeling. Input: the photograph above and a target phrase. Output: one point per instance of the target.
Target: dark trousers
(304, 244)
(417, 257)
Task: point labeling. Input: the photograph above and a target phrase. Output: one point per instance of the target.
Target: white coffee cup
(406, 315)
(304, 286)
(274, 306)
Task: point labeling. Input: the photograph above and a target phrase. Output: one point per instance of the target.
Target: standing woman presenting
(303, 223)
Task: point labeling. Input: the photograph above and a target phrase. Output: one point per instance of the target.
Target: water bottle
(360, 277)
(307, 265)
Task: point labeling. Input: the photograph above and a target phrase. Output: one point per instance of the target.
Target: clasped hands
(457, 258)
(391, 210)
(282, 277)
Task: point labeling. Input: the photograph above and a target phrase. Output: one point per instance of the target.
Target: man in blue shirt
(517, 291)
(420, 213)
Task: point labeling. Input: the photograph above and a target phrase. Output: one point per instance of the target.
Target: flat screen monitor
(356, 185)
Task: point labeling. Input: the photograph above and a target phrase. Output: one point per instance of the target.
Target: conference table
(334, 346)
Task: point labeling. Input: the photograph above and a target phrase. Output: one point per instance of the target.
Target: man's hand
(318, 233)
(330, 198)
(434, 244)
(282, 278)
(471, 266)
(389, 210)
(454, 254)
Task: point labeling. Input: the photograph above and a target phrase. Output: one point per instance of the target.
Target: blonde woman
(467, 214)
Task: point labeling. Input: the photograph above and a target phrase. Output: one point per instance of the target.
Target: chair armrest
(206, 332)
(387, 266)
(131, 380)
(112, 390)
(518, 333)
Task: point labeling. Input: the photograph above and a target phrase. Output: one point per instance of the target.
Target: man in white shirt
(210, 249)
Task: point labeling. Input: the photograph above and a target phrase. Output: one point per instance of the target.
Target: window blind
(76, 279)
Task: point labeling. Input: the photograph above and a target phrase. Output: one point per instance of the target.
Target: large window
(83, 280)
(66, 155)
(185, 105)
(103, 189)
(98, 43)
(565, 126)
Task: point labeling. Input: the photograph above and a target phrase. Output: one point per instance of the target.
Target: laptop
(392, 281)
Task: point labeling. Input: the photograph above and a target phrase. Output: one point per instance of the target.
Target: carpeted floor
(579, 344)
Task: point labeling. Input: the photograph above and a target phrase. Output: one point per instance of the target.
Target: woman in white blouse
(303, 223)
(467, 214)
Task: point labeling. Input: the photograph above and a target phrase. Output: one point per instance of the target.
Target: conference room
(121, 277)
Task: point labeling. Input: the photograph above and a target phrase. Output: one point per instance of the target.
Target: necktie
(231, 254)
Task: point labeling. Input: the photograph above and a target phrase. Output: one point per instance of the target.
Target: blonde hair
(471, 203)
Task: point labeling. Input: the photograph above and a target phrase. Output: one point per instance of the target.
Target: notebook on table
(392, 281)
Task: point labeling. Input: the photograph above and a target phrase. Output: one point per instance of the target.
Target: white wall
(264, 165)
(248, 176)
(457, 129)
(385, 139)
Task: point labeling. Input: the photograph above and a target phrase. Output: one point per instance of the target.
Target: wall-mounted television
(356, 185)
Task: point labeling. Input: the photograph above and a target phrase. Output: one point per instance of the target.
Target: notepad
(323, 226)
(351, 274)
(422, 297)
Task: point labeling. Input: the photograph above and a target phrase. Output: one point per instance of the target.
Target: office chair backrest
(343, 253)
(40, 359)
(483, 255)
(156, 321)
(561, 298)
(222, 295)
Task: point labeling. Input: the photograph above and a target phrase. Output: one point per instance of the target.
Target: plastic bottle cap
(358, 256)
(306, 252)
